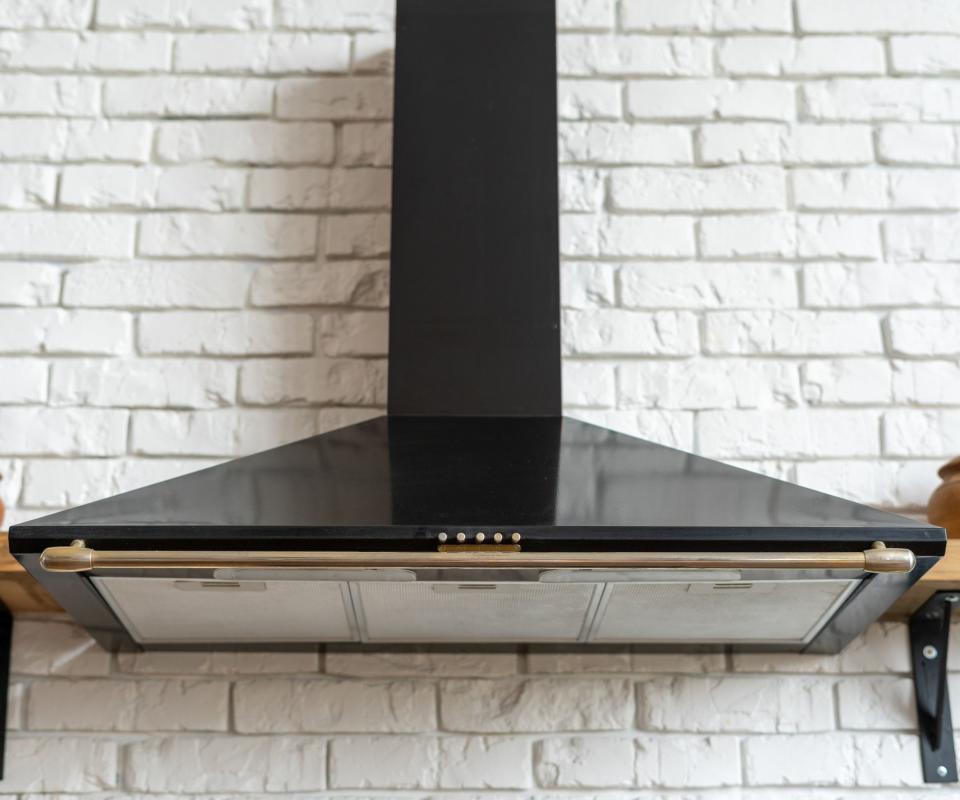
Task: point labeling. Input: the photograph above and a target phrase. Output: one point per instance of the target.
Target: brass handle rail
(79, 558)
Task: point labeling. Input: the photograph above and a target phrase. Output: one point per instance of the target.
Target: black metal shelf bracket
(929, 642)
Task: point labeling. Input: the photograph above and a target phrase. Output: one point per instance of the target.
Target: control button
(442, 536)
(514, 537)
(481, 537)
(461, 537)
(498, 537)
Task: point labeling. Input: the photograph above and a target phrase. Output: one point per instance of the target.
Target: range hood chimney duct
(475, 296)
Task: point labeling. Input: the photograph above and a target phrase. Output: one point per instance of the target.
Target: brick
(107, 140)
(858, 285)
(226, 432)
(329, 706)
(356, 333)
(32, 138)
(861, 481)
(625, 143)
(272, 382)
(55, 14)
(27, 185)
(840, 189)
(924, 55)
(152, 284)
(675, 662)
(620, 332)
(334, 98)
(588, 384)
(671, 428)
(149, 383)
(128, 706)
(509, 706)
(794, 433)
(587, 284)
(297, 188)
(833, 760)
(879, 16)
(707, 383)
(932, 383)
(585, 55)
(51, 647)
(226, 764)
(89, 51)
(49, 330)
(748, 235)
(261, 53)
(924, 189)
(711, 99)
(56, 234)
(57, 483)
(924, 332)
(732, 703)
(584, 14)
(337, 14)
(210, 189)
(778, 56)
(49, 764)
(786, 332)
(170, 96)
(918, 144)
(342, 283)
(688, 761)
(581, 762)
(921, 432)
(481, 762)
(847, 382)
(29, 284)
(883, 647)
(358, 235)
(417, 661)
(579, 233)
(366, 144)
(360, 188)
(395, 762)
(216, 663)
(560, 659)
(225, 333)
(838, 236)
(237, 14)
(589, 100)
(246, 141)
(698, 286)
(724, 16)
(24, 380)
(581, 189)
(923, 238)
(239, 235)
(725, 188)
(648, 236)
(63, 432)
(373, 52)
(63, 96)
(878, 703)
(889, 99)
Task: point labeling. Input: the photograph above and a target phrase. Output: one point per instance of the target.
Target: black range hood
(474, 512)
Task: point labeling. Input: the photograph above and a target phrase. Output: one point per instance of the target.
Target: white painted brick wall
(761, 263)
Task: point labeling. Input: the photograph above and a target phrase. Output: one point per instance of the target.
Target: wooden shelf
(944, 576)
(19, 592)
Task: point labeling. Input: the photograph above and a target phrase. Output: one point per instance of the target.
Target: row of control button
(480, 538)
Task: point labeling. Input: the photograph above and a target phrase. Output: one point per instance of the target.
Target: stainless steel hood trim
(79, 558)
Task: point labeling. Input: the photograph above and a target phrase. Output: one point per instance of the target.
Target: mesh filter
(164, 610)
(784, 611)
(472, 612)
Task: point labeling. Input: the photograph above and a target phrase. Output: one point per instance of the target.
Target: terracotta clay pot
(944, 508)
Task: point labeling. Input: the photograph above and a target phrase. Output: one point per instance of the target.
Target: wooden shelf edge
(19, 592)
(944, 576)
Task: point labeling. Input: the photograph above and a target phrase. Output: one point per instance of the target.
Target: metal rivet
(498, 537)
(952, 598)
(481, 536)
(442, 536)
(930, 652)
(514, 537)
(461, 537)
(78, 543)
(942, 771)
